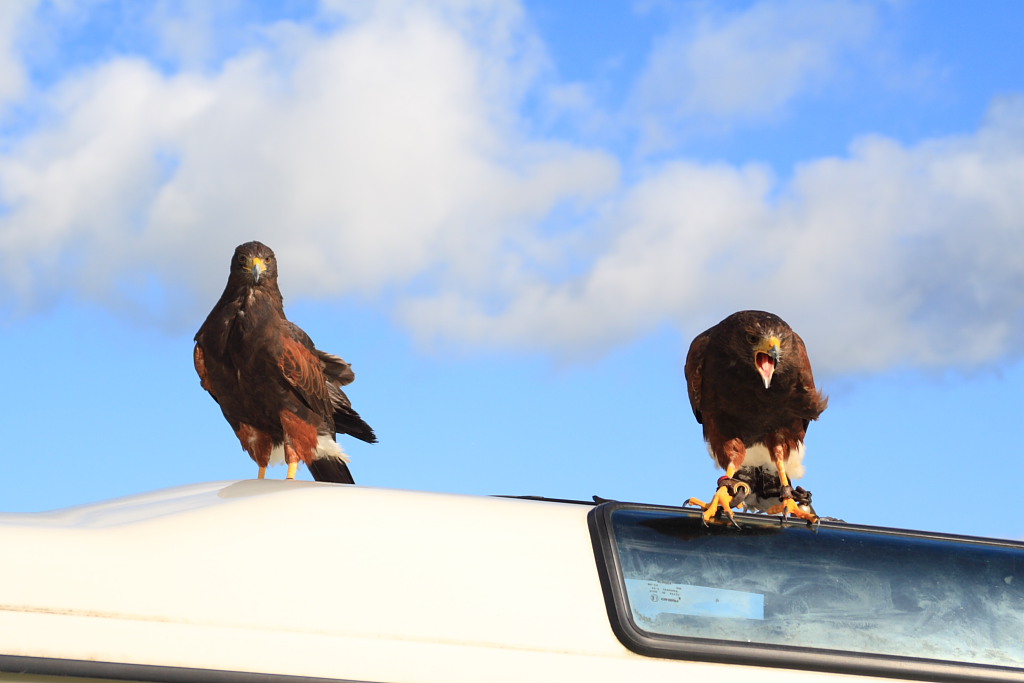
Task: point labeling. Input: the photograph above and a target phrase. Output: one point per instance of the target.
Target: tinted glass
(840, 588)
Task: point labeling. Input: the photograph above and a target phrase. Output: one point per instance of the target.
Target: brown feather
(273, 385)
(728, 395)
(199, 361)
(694, 372)
(305, 374)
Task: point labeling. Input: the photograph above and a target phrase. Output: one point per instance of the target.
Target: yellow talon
(262, 474)
(722, 499)
(293, 467)
(789, 507)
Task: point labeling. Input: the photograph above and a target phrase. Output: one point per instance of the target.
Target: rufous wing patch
(305, 373)
(199, 360)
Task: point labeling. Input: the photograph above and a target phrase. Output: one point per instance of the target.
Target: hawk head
(254, 265)
(763, 338)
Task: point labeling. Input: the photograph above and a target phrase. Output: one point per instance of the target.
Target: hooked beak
(257, 268)
(766, 356)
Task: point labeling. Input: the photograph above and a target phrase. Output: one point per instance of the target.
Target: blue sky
(512, 218)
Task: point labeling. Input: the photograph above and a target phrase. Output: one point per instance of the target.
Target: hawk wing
(694, 373)
(338, 372)
(810, 402)
(317, 377)
(199, 360)
(303, 370)
(213, 382)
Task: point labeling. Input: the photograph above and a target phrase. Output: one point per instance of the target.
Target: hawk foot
(730, 494)
(797, 503)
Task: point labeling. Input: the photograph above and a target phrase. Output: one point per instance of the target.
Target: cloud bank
(386, 152)
(724, 68)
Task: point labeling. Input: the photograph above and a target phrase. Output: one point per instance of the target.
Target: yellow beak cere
(258, 268)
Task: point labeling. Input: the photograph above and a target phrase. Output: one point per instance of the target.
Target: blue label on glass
(650, 599)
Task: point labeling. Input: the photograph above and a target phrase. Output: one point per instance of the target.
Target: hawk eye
(753, 338)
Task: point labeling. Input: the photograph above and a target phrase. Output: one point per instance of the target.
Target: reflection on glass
(837, 589)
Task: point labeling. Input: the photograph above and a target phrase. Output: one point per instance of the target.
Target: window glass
(840, 588)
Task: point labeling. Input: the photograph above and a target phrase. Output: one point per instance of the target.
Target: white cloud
(389, 158)
(366, 157)
(892, 255)
(12, 73)
(729, 67)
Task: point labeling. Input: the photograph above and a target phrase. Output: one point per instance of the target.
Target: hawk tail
(347, 421)
(332, 470)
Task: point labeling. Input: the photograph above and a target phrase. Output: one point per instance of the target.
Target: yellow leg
(788, 506)
(262, 474)
(722, 499)
(293, 467)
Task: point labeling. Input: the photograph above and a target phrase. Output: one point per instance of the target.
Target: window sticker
(652, 599)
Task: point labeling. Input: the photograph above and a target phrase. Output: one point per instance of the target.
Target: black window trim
(149, 673)
(766, 655)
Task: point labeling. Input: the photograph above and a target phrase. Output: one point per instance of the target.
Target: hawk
(750, 385)
(281, 395)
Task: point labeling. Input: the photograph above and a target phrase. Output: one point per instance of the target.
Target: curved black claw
(797, 502)
(738, 491)
(729, 493)
(785, 495)
(724, 516)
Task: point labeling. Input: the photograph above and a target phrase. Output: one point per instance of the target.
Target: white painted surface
(324, 580)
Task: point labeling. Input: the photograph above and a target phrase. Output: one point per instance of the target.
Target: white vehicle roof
(325, 581)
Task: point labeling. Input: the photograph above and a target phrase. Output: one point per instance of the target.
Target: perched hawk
(281, 395)
(750, 385)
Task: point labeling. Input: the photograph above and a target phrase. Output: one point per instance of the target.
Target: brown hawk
(281, 395)
(750, 385)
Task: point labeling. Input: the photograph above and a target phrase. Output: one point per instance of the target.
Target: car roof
(313, 579)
